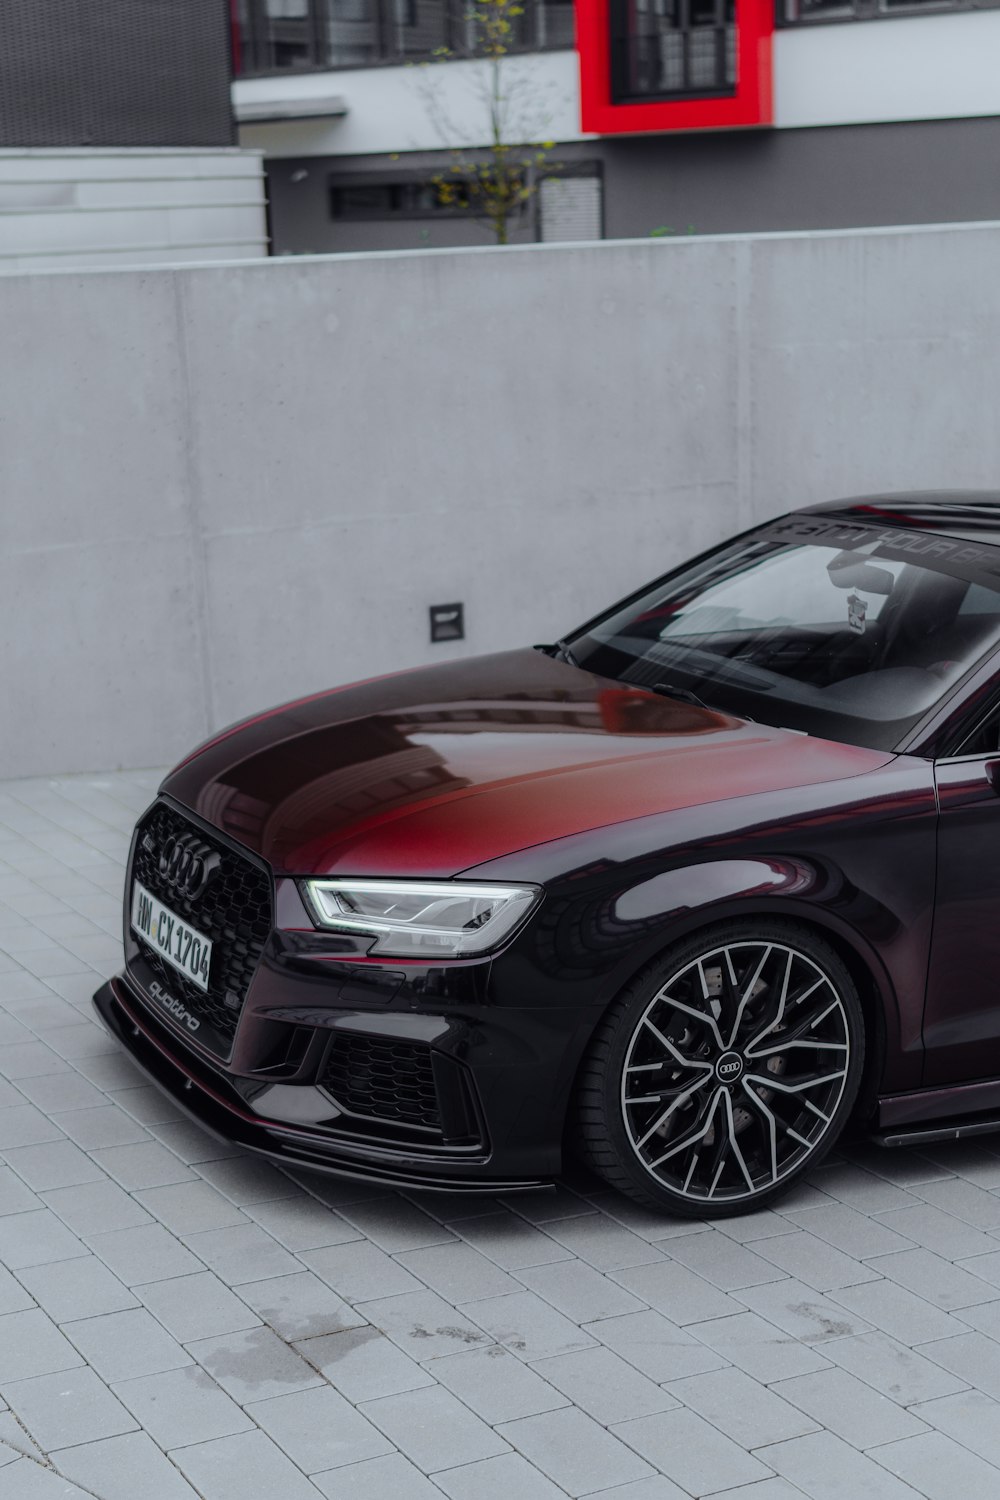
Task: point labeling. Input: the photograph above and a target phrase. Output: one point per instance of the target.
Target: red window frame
(751, 103)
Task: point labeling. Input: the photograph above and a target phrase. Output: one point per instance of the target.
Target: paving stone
(497, 1479)
(145, 1165)
(248, 1466)
(187, 1207)
(25, 1480)
(379, 1478)
(721, 1261)
(60, 1092)
(253, 1365)
(654, 1345)
(15, 1196)
(578, 1291)
(972, 1162)
(67, 1408)
(457, 1272)
(319, 1430)
(241, 1254)
(871, 1194)
(972, 1357)
(394, 1224)
(495, 1384)
(934, 1279)
(824, 1467)
(244, 1179)
(31, 1239)
(197, 1306)
(433, 1429)
(78, 1288)
(742, 1408)
(815, 1263)
(659, 1487)
(301, 1223)
(845, 1405)
(124, 1468)
(971, 1418)
(856, 1234)
(600, 1383)
(939, 1468)
(96, 1208)
(940, 1232)
(24, 1125)
(546, 1207)
(31, 1344)
(360, 1272)
(900, 1313)
(106, 1125)
(147, 1104)
(124, 1345)
(425, 1326)
(964, 1200)
(758, 1348)
(802, 1312)
(681, 1295)
(300, 1306)
(191, 1144)
(509, 1242)
(602, 1243)
(14, 1436)
(892, 1369)
(575, 1452)
(182, 1406)
(695, 1455)
(527, 1326)
(148, 1253)
(764, 1489)
(13, 1297)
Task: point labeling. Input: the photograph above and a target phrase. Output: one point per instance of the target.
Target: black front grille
(383, 1078)
(234, 910)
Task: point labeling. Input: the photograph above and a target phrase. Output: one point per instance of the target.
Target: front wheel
(725, 1071)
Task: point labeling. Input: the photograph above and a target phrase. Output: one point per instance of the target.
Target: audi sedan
(687, 893)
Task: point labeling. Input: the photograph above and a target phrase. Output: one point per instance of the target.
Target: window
(795, 12)
(277, 36)
(664, 49)
(380, 198)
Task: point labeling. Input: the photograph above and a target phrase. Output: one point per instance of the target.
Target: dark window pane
(284, 35)
(665, 48)
(348, 32)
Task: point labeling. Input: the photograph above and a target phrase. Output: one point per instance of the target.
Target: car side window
(985, 738)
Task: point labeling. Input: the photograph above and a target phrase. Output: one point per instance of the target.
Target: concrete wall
(223, 486)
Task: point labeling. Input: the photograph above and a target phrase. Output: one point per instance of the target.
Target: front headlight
(418, 919)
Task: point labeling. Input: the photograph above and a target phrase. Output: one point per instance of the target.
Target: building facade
(666, 116)
(117, 141)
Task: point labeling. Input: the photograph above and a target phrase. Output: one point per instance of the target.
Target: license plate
(178, 944)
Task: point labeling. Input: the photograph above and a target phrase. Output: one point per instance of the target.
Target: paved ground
(178, 1320)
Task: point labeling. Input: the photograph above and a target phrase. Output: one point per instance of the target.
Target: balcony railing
(284, 36)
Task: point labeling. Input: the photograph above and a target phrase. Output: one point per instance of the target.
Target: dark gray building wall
(115, 73)
(918, 172)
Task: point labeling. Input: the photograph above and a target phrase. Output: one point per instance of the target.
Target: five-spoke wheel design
(727, 1070)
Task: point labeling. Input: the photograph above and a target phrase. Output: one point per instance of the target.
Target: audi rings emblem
(187, 865)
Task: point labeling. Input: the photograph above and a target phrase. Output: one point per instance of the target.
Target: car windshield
(853, 634)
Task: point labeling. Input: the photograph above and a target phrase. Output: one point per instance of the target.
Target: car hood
(440, 769)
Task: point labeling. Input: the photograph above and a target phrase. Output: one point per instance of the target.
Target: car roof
(972, 515)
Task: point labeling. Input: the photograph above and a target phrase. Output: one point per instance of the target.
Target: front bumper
(237, 1109)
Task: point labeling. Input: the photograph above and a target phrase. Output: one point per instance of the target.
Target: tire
(725, 1071)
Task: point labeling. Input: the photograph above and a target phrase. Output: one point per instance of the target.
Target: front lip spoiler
(278, 1143)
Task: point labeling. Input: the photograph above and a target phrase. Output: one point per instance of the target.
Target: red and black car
(686, 892)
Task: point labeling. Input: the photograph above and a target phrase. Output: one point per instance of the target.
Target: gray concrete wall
(224, 486)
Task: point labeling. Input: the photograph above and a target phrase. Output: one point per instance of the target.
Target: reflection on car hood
(433, 771)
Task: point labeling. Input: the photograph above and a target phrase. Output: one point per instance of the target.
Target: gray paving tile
(695, 1455)
(14, 1436)
(965, 1200)
(870, 1193)
(600, 1383)
(509, 1242)
(496, 1385)
(681, 1295)
(24, 1125)
(196, 1306)
(96, 1208)
(78, 1288)
(938, 1231)
(13, 1297)
(15, 1197)
(742, 1408)
(527, 1326)
(433, 1429)
(764, 1489)
(241, 1254)
(193, 1145)
(546, 1207)
(601, 1242)
(814, 1262)
(758, 1348)
(425, 1326)
(578, 1291)
(25, 1480)
(378, 1478)
(187, 1207)
(900, 1313)
(721, 1260)
(497, 1479)
(575, 1452)
(457, 1272)
(245, 1180)
(971, 1162)
(106, 1125)
(856, 1234)
(971, 1418)
(248, 1466)
(824, 1467)
(124, 1468)
(939, 1468)
(972, 1357)
(802, 1312)
(364, 1364)
(182, 1406)
(124, 1345)
(145, 1165)
(319, 1430)
(659, 1487)
(70, 1407)
(145, 1103)
(934, 1279)
(986, 1266)
(892, 1369)
(985, 1318)
(847, 1406)
(654, 1345)
(300, 1306)
(394, 1224)
(31, 1239)
(253, 1365)
(60, 1092)
(359, 1271)
(31, 1344)
(302, 1223)
(148, 1253)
